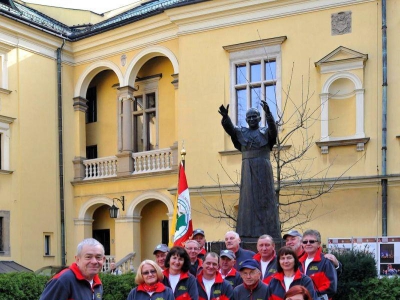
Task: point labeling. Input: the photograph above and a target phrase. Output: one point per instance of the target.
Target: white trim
(136, 206)
(342, 66)
(5, 141)
(142, 57)
(324, 96)
(87, 209)
(90, 72)
(259, 53)
(4, 70)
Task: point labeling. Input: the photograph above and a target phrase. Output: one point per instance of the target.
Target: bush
(117, 287)
(21, 286)
(379, 289)
(358, 266)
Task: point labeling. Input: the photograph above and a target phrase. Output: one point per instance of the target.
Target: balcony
(153, 161)
(159, 160)
(97, 168)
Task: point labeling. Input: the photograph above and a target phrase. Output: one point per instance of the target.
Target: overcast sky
(98, 6)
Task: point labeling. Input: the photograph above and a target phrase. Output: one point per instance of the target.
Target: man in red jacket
(80, 280)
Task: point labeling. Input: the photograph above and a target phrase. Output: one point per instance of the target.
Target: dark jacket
(70, 284)
(196, 268)
(162, 293)
(260, 292)
(221, 289)
(276, 287)
(242, 255)
(233, 277)
(271, 268)
(322, 272)
(186, 288)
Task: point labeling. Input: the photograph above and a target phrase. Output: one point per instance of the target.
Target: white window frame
(4, 71)
(144, 87)
(5, 133)
(248, 56)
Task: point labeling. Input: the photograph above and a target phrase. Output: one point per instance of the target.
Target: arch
(324, 96)
(339, 75)
(139, 202)
(88, 208)
(91, 71)
(142, 57)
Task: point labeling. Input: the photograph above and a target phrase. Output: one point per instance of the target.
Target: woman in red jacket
(288, 275)
(177, 275)
(148, 278)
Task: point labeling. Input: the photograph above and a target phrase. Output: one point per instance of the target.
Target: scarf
(150, 288)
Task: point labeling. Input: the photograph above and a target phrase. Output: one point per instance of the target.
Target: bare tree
(296, 187)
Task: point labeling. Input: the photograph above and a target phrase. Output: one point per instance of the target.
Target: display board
(385, 250)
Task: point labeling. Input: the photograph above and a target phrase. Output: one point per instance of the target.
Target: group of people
(298, 271)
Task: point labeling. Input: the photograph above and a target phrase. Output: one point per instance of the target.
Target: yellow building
(94, 109)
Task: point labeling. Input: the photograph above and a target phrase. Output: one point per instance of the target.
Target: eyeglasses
(310, 242)
(145, 273)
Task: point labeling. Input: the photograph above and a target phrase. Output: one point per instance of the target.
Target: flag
(181, 227)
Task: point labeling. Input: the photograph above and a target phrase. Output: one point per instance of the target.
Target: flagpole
(183, 155)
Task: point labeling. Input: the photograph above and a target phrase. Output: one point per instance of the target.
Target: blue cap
(198, 231)
(249, 264)
(292, 233)
(161, 247)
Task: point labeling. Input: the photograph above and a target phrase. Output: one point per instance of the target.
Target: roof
(32, 17)
(11, 266)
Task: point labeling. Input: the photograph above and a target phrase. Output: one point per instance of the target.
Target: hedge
(29, 286)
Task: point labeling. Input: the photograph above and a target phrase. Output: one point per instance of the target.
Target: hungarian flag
(182, 227)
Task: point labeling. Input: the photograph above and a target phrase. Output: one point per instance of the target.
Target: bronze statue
(258, 210)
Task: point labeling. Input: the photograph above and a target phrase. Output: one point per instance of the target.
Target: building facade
(95, 109)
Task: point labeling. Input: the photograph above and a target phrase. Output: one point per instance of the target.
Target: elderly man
(266, 256)
(227, 270)
(114, 270)
(199, 236)
(294, 240)
(252, 287)
(232, 242)
(160, 252)
(210, 283)
(80, 280)
(317, 267)
(196, 264)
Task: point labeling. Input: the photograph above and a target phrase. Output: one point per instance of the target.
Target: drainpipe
(384, 181)
(61, 154)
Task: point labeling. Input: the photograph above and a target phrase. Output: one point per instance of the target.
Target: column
(80, 108)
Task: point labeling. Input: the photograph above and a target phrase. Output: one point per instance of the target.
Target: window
(5, 142)
(47, 244)
(255, 76)
(145, 121)
(4, 233)
(91, 97)
(91, 152)
(255, 81)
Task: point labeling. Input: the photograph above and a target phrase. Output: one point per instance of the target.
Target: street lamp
(114, 209)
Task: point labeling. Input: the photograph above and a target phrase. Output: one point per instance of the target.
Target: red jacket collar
(183, 275)
(317, 256)
(203, 251)
(160, 288)
(232, 272)
(280, 275)
(78, 274)
(218, 277)
(257, 257)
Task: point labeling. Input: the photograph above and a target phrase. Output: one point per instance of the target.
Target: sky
(98, 6)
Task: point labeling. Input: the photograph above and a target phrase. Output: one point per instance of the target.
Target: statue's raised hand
(224, 111)
(265, 106)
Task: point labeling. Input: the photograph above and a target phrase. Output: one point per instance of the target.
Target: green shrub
(117, 287)
(21, 286)
(358, 266)
(379, 289)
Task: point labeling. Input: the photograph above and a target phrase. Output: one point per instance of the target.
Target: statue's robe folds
(258, 211)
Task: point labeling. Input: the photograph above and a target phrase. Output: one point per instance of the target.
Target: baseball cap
(161, 247)
(228, 253)
(198, 231)
(249, 264)
(292, 233)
